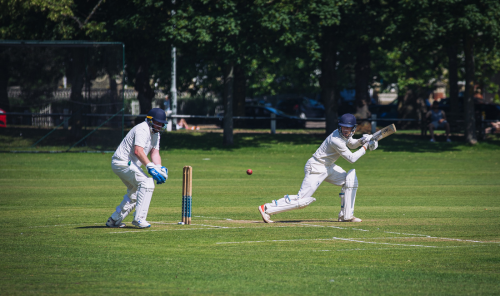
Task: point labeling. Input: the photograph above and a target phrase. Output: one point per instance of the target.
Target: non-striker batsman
(321, 167)
(133, 152)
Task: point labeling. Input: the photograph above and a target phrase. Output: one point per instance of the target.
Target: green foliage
(278, 43)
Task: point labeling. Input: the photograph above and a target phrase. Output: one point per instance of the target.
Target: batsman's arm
(347, 154)
(155, 156)
(139, 152)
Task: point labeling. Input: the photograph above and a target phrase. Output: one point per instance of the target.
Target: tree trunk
(328, 80)
(228, 104)
(145, 93)
(76, 76)
(408, 107)
(4, 80)
(4, 84)
(362, 77)
(240, 88)
(113, 92)
(453, 80)
(470, 121)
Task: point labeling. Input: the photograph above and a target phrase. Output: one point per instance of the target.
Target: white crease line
(180, 229)
(325, 239)
(365, 242)
(275, 240)
(372, 249)
(297, 224)
(205, 228)
(412, 234)
(65, 225)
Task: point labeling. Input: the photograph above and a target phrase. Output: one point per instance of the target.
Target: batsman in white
(133, 152)
(321, 167)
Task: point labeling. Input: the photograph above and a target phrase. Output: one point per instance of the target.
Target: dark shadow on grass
(14, 138)
(308, 221)
(104, 140)
(419, 144)
(104, 226)
(209, 141)
(396, 143)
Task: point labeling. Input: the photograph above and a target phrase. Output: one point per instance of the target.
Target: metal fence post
(65, 118)
(374, 123)
(273, 123)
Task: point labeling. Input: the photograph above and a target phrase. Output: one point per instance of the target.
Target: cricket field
(431, 222)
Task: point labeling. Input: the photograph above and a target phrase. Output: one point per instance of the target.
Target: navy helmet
(347, 120)
(158, 115)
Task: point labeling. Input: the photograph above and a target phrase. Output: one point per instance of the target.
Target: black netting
(61, 95)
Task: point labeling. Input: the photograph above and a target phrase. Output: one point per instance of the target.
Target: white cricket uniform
(127, 166)
(321, 166)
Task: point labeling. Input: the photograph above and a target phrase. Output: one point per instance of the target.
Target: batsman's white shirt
(335, 146)
(141, 136)
(321, 166)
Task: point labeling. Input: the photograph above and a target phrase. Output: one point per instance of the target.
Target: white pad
(288, 203)
(123, 209)
(350, 187)
(144, 194)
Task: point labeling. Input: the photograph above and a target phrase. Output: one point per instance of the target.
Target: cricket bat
(385, 132)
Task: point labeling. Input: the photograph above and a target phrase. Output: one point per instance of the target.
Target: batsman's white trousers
(137, 183)
(317, 172)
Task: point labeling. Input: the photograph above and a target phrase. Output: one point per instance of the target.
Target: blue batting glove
(163, 171)
(155, 174)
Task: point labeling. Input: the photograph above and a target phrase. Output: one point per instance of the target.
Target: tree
(471, 24)
(312, 25)
(20, 20)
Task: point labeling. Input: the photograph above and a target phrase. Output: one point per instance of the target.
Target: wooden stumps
(187, 188)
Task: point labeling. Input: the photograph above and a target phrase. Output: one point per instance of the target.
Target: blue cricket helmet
(155, 116)
(347, 120)
(158, 115)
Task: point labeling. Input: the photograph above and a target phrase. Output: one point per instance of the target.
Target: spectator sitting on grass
(438, 120)
(182, 124)
(494, 129)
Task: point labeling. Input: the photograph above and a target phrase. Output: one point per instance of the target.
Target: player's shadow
(307, 221)
(99, 226)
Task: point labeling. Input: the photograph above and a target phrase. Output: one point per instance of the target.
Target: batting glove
(373, 145)
(365, 138)
(154, 173)
(163, 171)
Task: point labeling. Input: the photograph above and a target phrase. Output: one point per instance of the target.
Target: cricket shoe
(353, 219)
(265, 217)
(141, 224)
(112, 223)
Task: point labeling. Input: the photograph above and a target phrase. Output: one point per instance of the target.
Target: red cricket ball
(249, 172)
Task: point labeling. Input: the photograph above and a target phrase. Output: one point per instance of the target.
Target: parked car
(284, 120)
(490, 111)
(385, 111)
(302, 107)
(3, 118)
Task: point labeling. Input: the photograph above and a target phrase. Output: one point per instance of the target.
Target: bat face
(386, 131)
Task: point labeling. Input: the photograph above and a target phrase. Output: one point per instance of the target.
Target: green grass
(431, 222)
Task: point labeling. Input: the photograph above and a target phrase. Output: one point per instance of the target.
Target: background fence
(66, 89)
